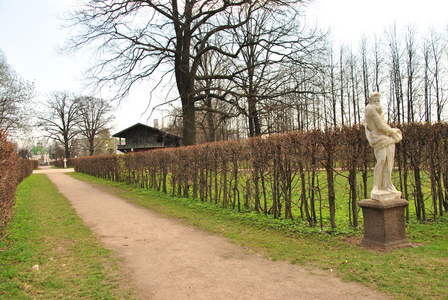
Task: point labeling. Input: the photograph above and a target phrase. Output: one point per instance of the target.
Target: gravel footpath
(170, 260)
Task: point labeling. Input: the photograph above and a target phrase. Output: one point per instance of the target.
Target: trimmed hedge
(60, 163)
(13, 170)
(292, 175)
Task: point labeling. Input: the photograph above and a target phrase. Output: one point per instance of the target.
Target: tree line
(225, 56)
(248, 68)
(408, 68)
(66, 117)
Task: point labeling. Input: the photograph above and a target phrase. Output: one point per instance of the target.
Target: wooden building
(140, 137)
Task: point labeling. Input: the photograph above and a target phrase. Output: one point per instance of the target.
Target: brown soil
(170, 260)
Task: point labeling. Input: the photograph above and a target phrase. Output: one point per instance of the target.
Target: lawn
(418, 272)
(49, 254)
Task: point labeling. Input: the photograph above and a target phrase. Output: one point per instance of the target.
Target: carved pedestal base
(384, 223)
(385, 196)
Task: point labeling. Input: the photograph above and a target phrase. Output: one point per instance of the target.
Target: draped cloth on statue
(384, 143)
(379, 141)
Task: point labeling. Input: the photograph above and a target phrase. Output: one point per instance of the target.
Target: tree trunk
(67, 147)
(254, 122)
(189, 127)
(353, 196)
(331, 193)
(419, 201)
(91, 146)
(303, 196)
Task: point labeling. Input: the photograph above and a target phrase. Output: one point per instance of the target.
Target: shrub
(13, 170)
(292, 175)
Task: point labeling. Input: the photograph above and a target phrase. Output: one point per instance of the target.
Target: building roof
(123, 133)
(38, 150)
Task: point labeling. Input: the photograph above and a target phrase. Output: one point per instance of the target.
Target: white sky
(30, 31)
(349, 20)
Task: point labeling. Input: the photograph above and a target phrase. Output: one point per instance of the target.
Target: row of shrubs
(13, 170)
(292, 175)
(60, 163)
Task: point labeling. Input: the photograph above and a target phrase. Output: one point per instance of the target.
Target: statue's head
(374, 97)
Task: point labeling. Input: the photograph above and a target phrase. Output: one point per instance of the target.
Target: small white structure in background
(40, 154)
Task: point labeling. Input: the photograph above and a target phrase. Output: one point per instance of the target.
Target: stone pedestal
(384, 223)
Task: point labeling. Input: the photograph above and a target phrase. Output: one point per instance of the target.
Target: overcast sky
(30, 31)
(349, 20)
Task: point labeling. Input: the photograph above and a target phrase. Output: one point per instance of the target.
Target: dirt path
(170, 260)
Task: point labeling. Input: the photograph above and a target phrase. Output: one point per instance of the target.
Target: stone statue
(383, 139)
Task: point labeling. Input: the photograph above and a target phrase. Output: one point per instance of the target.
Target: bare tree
(365, 70)
(15, 94)
(396, 85)
(333, 88)
(137, 39)
(60, 120)
(207, 65)
(427, 81)
(104, 144)
(277, 47)
(436, 50)
(341, 84)
(95, 118)
(217, 106)
(377, 64)
(411, 66)
(353, 79)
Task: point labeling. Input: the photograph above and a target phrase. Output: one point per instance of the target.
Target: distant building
(40, 154)
(141, 137)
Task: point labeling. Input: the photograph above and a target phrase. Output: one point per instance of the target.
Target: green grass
(49, 254)
(342, 205)
(419, 272)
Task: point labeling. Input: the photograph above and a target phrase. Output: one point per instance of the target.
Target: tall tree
(411, 65)
(333, 87)
(104, 144)
(95, 118)
(396, 84)
(216, 107)
(60, 120)
(15, 95)
(341, 83)
(139, 38)
(427, 81)
(437, 45)
(274, 46)
(365, 70)
(377, 64)
(353, 79)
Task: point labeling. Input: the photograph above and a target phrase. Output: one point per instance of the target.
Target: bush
(293, 175)
(13, 170)
(60, 163)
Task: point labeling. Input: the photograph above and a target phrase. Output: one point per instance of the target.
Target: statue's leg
(379, 169)
(390, 157)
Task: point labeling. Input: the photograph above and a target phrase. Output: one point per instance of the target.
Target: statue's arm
(385, 128)
(375, 118)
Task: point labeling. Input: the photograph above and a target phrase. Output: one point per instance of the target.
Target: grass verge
(419, 272)
(49, 254)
